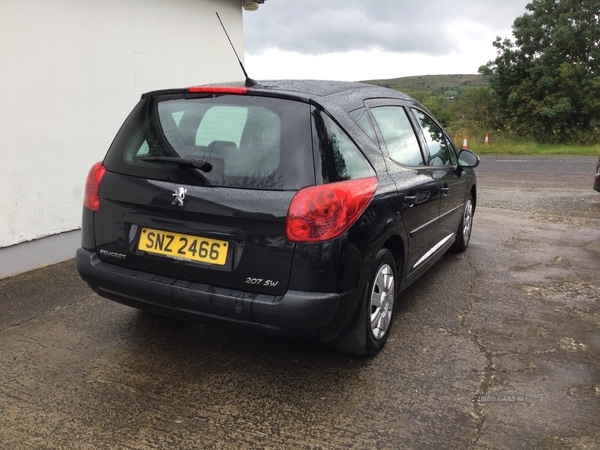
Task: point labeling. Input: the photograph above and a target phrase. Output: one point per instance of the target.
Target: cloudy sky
(374, 39)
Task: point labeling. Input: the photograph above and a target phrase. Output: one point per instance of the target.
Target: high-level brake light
(217, 90)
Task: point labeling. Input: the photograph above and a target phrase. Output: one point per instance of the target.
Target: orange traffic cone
(465, 143)
(486, 139)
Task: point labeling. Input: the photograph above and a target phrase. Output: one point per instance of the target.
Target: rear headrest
(218, 146)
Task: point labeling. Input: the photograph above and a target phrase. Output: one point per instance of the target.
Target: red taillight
(217, 90)
(320, 213)
(91, 199)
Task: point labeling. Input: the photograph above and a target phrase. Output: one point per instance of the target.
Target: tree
(547, 81)
(479, 106)
(436, 104)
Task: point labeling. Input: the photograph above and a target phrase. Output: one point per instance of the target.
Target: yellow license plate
(183, 246)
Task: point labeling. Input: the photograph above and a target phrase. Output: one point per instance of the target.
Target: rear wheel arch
(474, 195)
(463, 234)
(380, 301)
(395, 244)
(358, 339)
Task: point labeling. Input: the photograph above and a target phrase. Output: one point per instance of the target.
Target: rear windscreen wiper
(199, 164)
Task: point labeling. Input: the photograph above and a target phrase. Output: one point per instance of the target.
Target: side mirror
(466, 158)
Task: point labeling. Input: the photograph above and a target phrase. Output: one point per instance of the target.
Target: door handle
(410, 200)
(445, 191)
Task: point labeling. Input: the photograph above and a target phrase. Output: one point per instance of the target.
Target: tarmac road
(498, 347)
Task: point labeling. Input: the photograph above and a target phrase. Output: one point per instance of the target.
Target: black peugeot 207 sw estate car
(304, 207)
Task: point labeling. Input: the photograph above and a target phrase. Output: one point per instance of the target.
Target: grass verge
(501, 145)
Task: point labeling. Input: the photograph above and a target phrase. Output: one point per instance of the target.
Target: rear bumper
(295, 310)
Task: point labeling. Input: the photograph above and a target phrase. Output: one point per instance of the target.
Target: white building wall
(70, 72)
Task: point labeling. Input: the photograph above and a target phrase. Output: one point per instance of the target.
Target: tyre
(463, 235)
(380, 301)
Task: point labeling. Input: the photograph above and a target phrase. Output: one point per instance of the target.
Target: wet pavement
(498, 347)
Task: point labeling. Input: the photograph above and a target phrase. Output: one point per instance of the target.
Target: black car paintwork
(322, 285)
(172, 296)
(209, 212)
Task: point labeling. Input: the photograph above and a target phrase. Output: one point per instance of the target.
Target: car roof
(323, 88)
(347, 93)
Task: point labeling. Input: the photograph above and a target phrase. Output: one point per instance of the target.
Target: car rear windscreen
(248, 142)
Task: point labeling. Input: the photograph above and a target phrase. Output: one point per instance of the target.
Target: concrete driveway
(498, 347)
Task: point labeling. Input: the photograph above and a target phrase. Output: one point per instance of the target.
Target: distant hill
(449, 85)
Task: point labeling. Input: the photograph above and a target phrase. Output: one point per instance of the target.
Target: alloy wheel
(382, 301)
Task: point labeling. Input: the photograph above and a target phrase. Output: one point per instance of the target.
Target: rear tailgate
(223, 237)
(197, 188)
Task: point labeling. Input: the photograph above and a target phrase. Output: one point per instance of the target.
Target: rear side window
(250, 142)
(361, 117)
(340, 159)
(398, 134)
